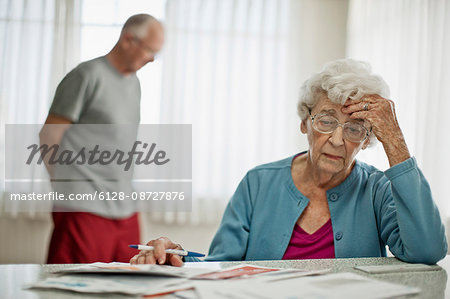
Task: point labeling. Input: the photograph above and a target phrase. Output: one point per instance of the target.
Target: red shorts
(80, 237)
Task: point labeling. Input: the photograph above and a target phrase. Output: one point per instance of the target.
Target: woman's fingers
(360, 115)
(159, 255)
(380, 113)
(138, 259)
(175, 260)
(363, 104)
(366, 99)
(160, 245)
(149, 257)
(360, 107)
(133, 260)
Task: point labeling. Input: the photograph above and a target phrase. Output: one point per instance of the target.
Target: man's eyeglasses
(146, 47)
(327, 124)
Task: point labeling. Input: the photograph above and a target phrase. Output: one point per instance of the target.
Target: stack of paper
(337, 286)
(123, 278)
(125, 268)
(135, 286)
(240, 282)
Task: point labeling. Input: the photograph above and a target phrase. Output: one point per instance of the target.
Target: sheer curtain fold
(225, 72)
(66, 41)
(30, 42)
(408, 43)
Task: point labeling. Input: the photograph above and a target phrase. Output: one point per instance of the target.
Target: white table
(434, 284)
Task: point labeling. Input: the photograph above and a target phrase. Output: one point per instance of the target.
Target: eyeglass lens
(352, 131)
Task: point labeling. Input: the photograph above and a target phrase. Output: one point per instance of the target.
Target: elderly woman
(323, 203)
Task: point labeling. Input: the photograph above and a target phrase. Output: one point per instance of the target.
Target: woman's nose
(337, 137)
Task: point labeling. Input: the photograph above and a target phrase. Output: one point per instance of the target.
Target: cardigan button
(334, 197)
(338, 236)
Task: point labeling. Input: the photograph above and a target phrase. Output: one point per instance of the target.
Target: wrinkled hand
(380, 114)
(158, 255)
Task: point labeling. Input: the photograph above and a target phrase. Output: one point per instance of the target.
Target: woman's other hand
(380, 113)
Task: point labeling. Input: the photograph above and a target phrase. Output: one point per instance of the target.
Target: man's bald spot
(139, 25)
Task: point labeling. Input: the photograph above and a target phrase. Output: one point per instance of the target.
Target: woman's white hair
(340, 80)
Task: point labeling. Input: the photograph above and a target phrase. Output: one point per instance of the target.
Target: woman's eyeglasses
(327, 124)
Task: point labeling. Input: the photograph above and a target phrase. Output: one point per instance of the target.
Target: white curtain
(66, 40)
(38, 45)
(408, 43)
(225, 71)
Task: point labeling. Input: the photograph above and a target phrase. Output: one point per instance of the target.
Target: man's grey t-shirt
(95, 96)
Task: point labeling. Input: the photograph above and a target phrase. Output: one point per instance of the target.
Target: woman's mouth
(333, 157)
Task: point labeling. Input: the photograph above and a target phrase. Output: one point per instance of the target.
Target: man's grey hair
(340, 80)
(138, 25)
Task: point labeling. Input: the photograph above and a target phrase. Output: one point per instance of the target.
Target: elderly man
(104, 90)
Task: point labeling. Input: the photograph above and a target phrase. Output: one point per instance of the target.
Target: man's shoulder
(91, 66)
(88, 72)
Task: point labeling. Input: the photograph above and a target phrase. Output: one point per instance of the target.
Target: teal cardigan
(369, 210)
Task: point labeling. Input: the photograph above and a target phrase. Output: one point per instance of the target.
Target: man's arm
(51, 133)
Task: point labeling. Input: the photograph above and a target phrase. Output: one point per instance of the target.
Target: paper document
(125, 268)
(334, 286)
(150, 279)
(238, 282)
(285, 274)
(99, 284)
(237, 271)
(238, 288)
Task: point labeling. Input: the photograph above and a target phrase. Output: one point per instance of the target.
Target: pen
(171, 251)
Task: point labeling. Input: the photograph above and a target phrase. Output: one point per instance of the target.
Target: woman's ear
(303, 127)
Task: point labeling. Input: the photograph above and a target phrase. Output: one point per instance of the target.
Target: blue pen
(171, 251)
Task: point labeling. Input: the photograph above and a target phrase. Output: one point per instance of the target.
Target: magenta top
(319, 245)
